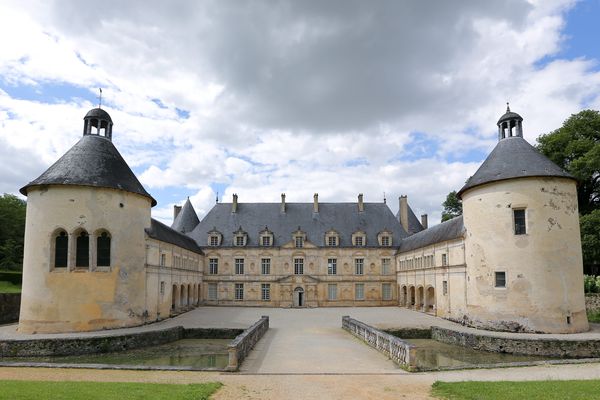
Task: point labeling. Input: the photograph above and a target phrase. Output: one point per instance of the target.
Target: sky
(259, 98)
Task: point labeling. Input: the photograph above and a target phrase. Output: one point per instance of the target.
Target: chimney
(361, 206)
(424, 221)
(176, 211)
(403, 212)
(316, 203)
(234, 204)
(283, 203)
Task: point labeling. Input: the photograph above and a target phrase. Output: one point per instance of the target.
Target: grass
(34, 390)
(8, 287)
(594, 316)
(534, 390)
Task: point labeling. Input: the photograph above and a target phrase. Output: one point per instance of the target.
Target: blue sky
(330, 97)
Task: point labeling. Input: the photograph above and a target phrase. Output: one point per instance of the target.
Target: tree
(452, 206)
(12, 231)
(590, 237)
(576, 148)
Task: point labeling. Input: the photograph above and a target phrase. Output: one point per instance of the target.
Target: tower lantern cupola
(97, 122)
(510, 124)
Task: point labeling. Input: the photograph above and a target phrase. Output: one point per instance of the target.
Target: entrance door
(298, 297)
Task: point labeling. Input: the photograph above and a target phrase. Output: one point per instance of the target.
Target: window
(298, 266)
(500, 279)
(103, 250)
(444, 259)
(265, 266)
(299, 242)
(239, 291)
(332, 291)
(385, 266)
(239, 240)
(239, 266)
(331, 241)
(331, 266)
(214, 240)
(520, 226)
(359, 291)
(213, 266)
(359, 266)
(266, 292)
(386, 291)
(385, 241)
(162, 287)
(61, 249)
(212, 291)
(163, 259)
(266, 241)
(358, 241)
(82, 254)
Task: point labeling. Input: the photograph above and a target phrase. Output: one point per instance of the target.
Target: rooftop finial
(507, 107)
(100, 98)
(217, 201)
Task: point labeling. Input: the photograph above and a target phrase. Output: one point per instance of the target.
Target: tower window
(519, 218)
(61, 249)
(500, 281)
(103, 248)
(82, 258)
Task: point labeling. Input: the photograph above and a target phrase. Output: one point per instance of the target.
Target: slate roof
(162, 232)
(98, 113)
(342, 217)
(187, 219)
(513, 157)
(451, 229)
(414, 225)
(93, 161)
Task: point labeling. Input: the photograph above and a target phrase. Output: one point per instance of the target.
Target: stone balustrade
(401, 352)
(244, 342)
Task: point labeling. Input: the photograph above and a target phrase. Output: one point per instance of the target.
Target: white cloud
(295, 97)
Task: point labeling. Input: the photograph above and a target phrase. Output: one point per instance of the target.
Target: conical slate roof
(187, 219)
(93, 161)
(512, 158)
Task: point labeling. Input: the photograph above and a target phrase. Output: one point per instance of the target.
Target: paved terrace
(304, 340)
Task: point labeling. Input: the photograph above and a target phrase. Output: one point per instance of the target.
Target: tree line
(12, 232)
(575, 147)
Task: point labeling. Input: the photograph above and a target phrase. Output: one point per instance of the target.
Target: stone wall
(401, 352)
(9, 307)
(65, 346)
(592, 301)
(584, 348)
(243, 343)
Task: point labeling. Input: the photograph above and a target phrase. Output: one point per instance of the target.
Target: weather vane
(100, 99)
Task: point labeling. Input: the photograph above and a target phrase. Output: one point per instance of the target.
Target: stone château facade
(95, 259)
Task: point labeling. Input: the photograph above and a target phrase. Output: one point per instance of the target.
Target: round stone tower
(523, 247)
(83, 266)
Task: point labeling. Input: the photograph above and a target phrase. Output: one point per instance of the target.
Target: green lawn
(535, 390)
(8, 287)
(33, 390)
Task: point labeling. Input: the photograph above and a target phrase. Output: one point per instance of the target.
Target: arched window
(61, 249)
(103, 250)
(82, 258)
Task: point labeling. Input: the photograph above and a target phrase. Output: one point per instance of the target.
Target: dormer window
(299, 237)
(359, 239)
(332, 239)
(240, 238)
(385, 238)
(266, 237)
(214, 238)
